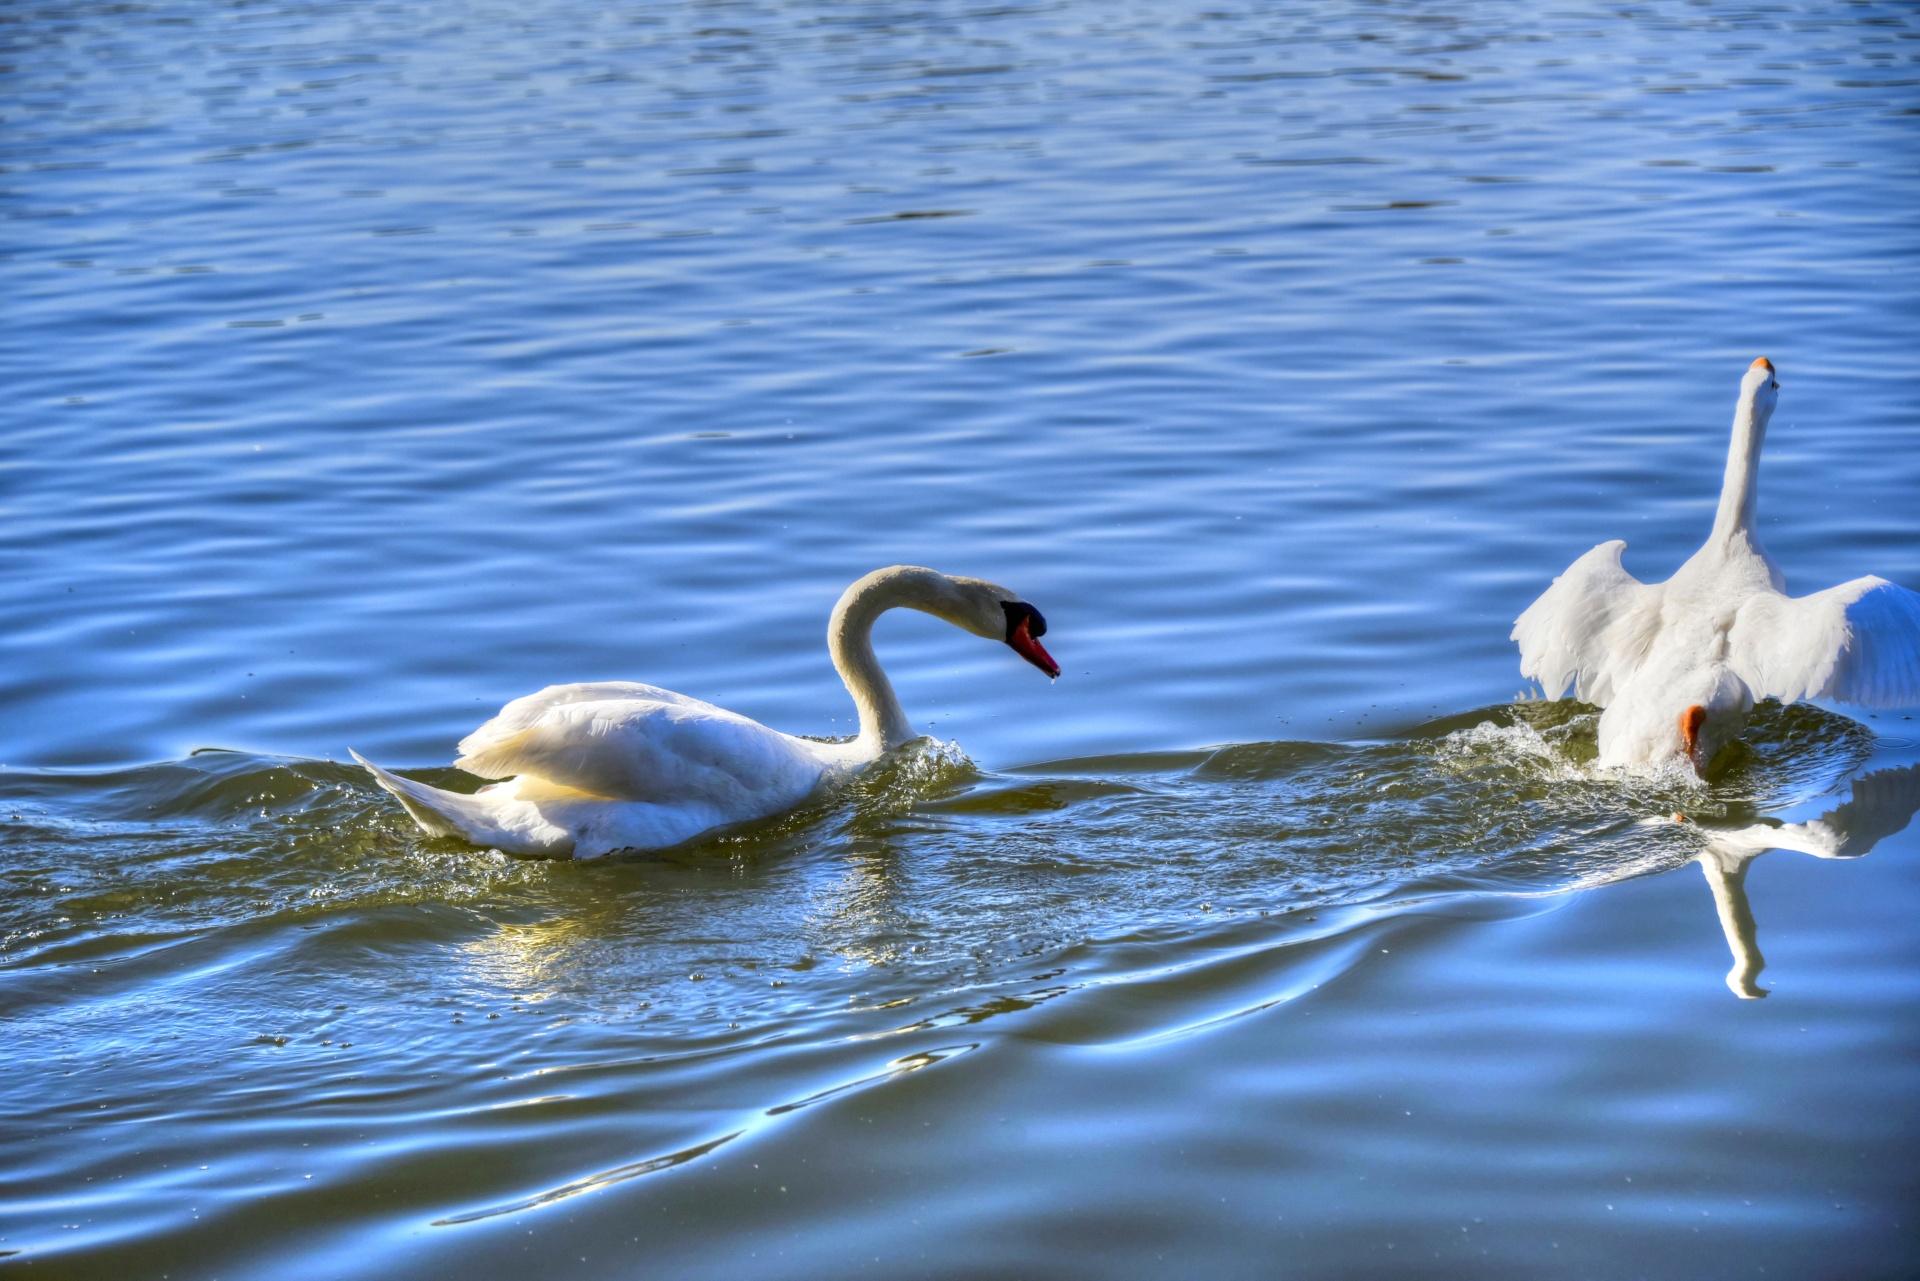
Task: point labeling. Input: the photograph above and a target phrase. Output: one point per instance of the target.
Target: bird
(590, 769)
(1677, 666)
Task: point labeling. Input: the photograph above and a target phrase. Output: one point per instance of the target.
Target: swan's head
(1762, 387)
(990, 610)
(971, 604)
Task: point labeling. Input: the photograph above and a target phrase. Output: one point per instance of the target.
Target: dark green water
(371, 364)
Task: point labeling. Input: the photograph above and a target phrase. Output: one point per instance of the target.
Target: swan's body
(615, 765)
(1678, 665)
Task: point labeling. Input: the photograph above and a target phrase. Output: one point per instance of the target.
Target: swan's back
(632, 742)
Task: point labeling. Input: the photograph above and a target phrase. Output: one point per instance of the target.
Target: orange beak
(1022, 642)
(1690, 722)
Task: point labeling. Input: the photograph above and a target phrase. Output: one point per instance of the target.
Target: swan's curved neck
(1740, 489)
(883, 724)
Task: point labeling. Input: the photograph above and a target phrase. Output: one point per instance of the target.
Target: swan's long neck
(883, 724)
(1740, 489)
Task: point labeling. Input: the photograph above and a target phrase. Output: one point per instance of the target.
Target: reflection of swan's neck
(883, 723)
(1727, 878)
(1740, 490)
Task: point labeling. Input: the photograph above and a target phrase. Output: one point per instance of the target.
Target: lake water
(369, 364)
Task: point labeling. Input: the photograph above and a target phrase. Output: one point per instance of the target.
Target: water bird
(614, 765)
(1678, 665)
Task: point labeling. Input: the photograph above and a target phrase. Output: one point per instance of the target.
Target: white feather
(1591, 629)
(1719, 634)
(1856, 643)
(615, 765)
(634, 742)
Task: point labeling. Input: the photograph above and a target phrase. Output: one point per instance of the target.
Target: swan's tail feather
(497, 816)
(441, 813)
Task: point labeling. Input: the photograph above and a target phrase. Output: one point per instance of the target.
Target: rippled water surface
(370, 364)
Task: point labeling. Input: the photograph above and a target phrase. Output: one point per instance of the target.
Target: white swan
(614, 765)
(1677, 665)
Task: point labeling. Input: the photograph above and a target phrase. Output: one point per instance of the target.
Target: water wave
(924, 855)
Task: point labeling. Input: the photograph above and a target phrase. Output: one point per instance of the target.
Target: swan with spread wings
(1678, 665)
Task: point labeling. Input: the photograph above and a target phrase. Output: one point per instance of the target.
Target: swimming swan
(614, 765)
(1677, 665)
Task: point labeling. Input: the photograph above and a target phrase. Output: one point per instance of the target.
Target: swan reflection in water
(1882, 804)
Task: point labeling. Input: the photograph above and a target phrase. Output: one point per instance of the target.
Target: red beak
(1030, 649)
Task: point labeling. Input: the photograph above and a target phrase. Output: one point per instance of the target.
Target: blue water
(369, 365)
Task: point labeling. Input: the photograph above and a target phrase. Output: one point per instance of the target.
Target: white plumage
(616, 765)
(1678, 665)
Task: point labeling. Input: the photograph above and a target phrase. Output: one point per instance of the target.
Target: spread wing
(1591, 629)
(1856, 643)
(635, 742)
